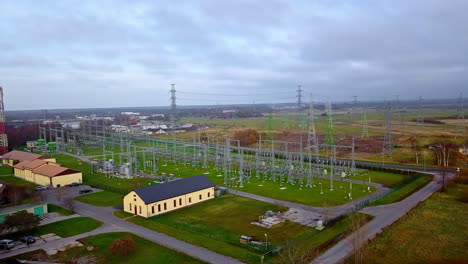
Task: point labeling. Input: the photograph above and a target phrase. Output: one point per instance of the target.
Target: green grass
(52, 208)
(218, 224)
(6, 170)
(406, 189)
(65, 228)
(433, 232)
(121, 214)
(384, 178)
(17, 181)
(146, 252)
(103, 198)
(69, 227)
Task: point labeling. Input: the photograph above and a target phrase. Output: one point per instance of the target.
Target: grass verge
(103, 198)
(404, 190)
(52, 208)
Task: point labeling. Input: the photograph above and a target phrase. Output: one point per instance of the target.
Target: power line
(217, 94)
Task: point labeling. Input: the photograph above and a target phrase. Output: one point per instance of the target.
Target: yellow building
(14, 157)
(47, 173)
(159, 199)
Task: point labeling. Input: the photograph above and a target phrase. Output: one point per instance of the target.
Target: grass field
(146, 252)
(121, 214)
(6, 170)
(52, 208)
(384, 178)
(104, 198)
(218, 224)
(406, 189)
(433, 232)
(65, 228)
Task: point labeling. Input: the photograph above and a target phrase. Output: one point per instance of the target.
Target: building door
(136, 212)
(39, 210)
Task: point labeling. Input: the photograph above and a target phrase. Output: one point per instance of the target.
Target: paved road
(114, 224)
(384, 216)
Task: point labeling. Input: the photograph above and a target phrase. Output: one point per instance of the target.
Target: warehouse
(14, 157)
(163, 198)
(46, 173)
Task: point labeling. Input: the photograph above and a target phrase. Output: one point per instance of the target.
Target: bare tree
(59, 194)
(358, 236)
(325, 212)
(295, 252)
(443, 148)
(69, 203)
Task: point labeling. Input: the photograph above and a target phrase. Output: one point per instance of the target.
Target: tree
(246, 137)
(122, 246)
(20, 221)
(443, 148)
(295, 252)
(59, 194)
(358, 236)
(69, 203)
(415, 147)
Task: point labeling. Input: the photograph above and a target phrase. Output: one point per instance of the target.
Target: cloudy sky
(71, 54)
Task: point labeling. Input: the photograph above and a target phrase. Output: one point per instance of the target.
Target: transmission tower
(173, 100)
(329, 136)
(387, 144)
(270, 126)
(312, 141)
(365, 128)
(3, 133)
(420, 119)
(299, 95)
(460, 116)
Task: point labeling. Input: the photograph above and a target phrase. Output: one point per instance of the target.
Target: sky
(88, 54)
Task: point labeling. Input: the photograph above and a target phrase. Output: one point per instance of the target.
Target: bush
(20, 221)
(122, 246)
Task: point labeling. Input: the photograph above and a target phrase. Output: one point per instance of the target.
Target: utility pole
(365, 127)
(312, 141)
(420, 119)
(299, 95)
(329, 136)
(460, 116)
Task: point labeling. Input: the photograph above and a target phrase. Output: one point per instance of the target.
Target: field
(434, 232)
(103, 198)
(65, 228)
(17, 181)
(146, 252)
(218, 224)
(6, 170)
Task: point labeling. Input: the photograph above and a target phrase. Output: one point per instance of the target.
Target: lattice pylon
(329, 135)
(387, 144)
(3, 133)
(312, 141)
(365, 126)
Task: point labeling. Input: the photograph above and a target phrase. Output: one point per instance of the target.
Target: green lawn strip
(122, 214)
(103, 198)
(146, 252)
(6, 170)
(69, 227)
(384, 178)
(65, 228)
(17, 181)
(52, 208)
(433, 232)
(406, 189)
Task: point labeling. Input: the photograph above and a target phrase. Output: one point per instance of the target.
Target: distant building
(40, 169)
(131, 113)
(163, 198)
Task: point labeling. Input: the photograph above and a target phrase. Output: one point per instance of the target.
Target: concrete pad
(52, 238)
(47, 235)
(51, 252)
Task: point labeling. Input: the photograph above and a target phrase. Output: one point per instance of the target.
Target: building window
(190, 199)
(152, 209)
(140, 209)
(180, 201)
(165, 206)
(159, 208)
(199, 196)
(175, 203)
(134, 199)
(208, 194)
(130, 207)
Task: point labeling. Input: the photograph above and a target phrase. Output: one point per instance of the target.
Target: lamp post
(266, 241)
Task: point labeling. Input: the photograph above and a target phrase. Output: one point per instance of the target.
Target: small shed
(37, 208)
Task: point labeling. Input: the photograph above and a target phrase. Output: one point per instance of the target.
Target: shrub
(122, 246)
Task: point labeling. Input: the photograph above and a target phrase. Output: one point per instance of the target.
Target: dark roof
(175, 188)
